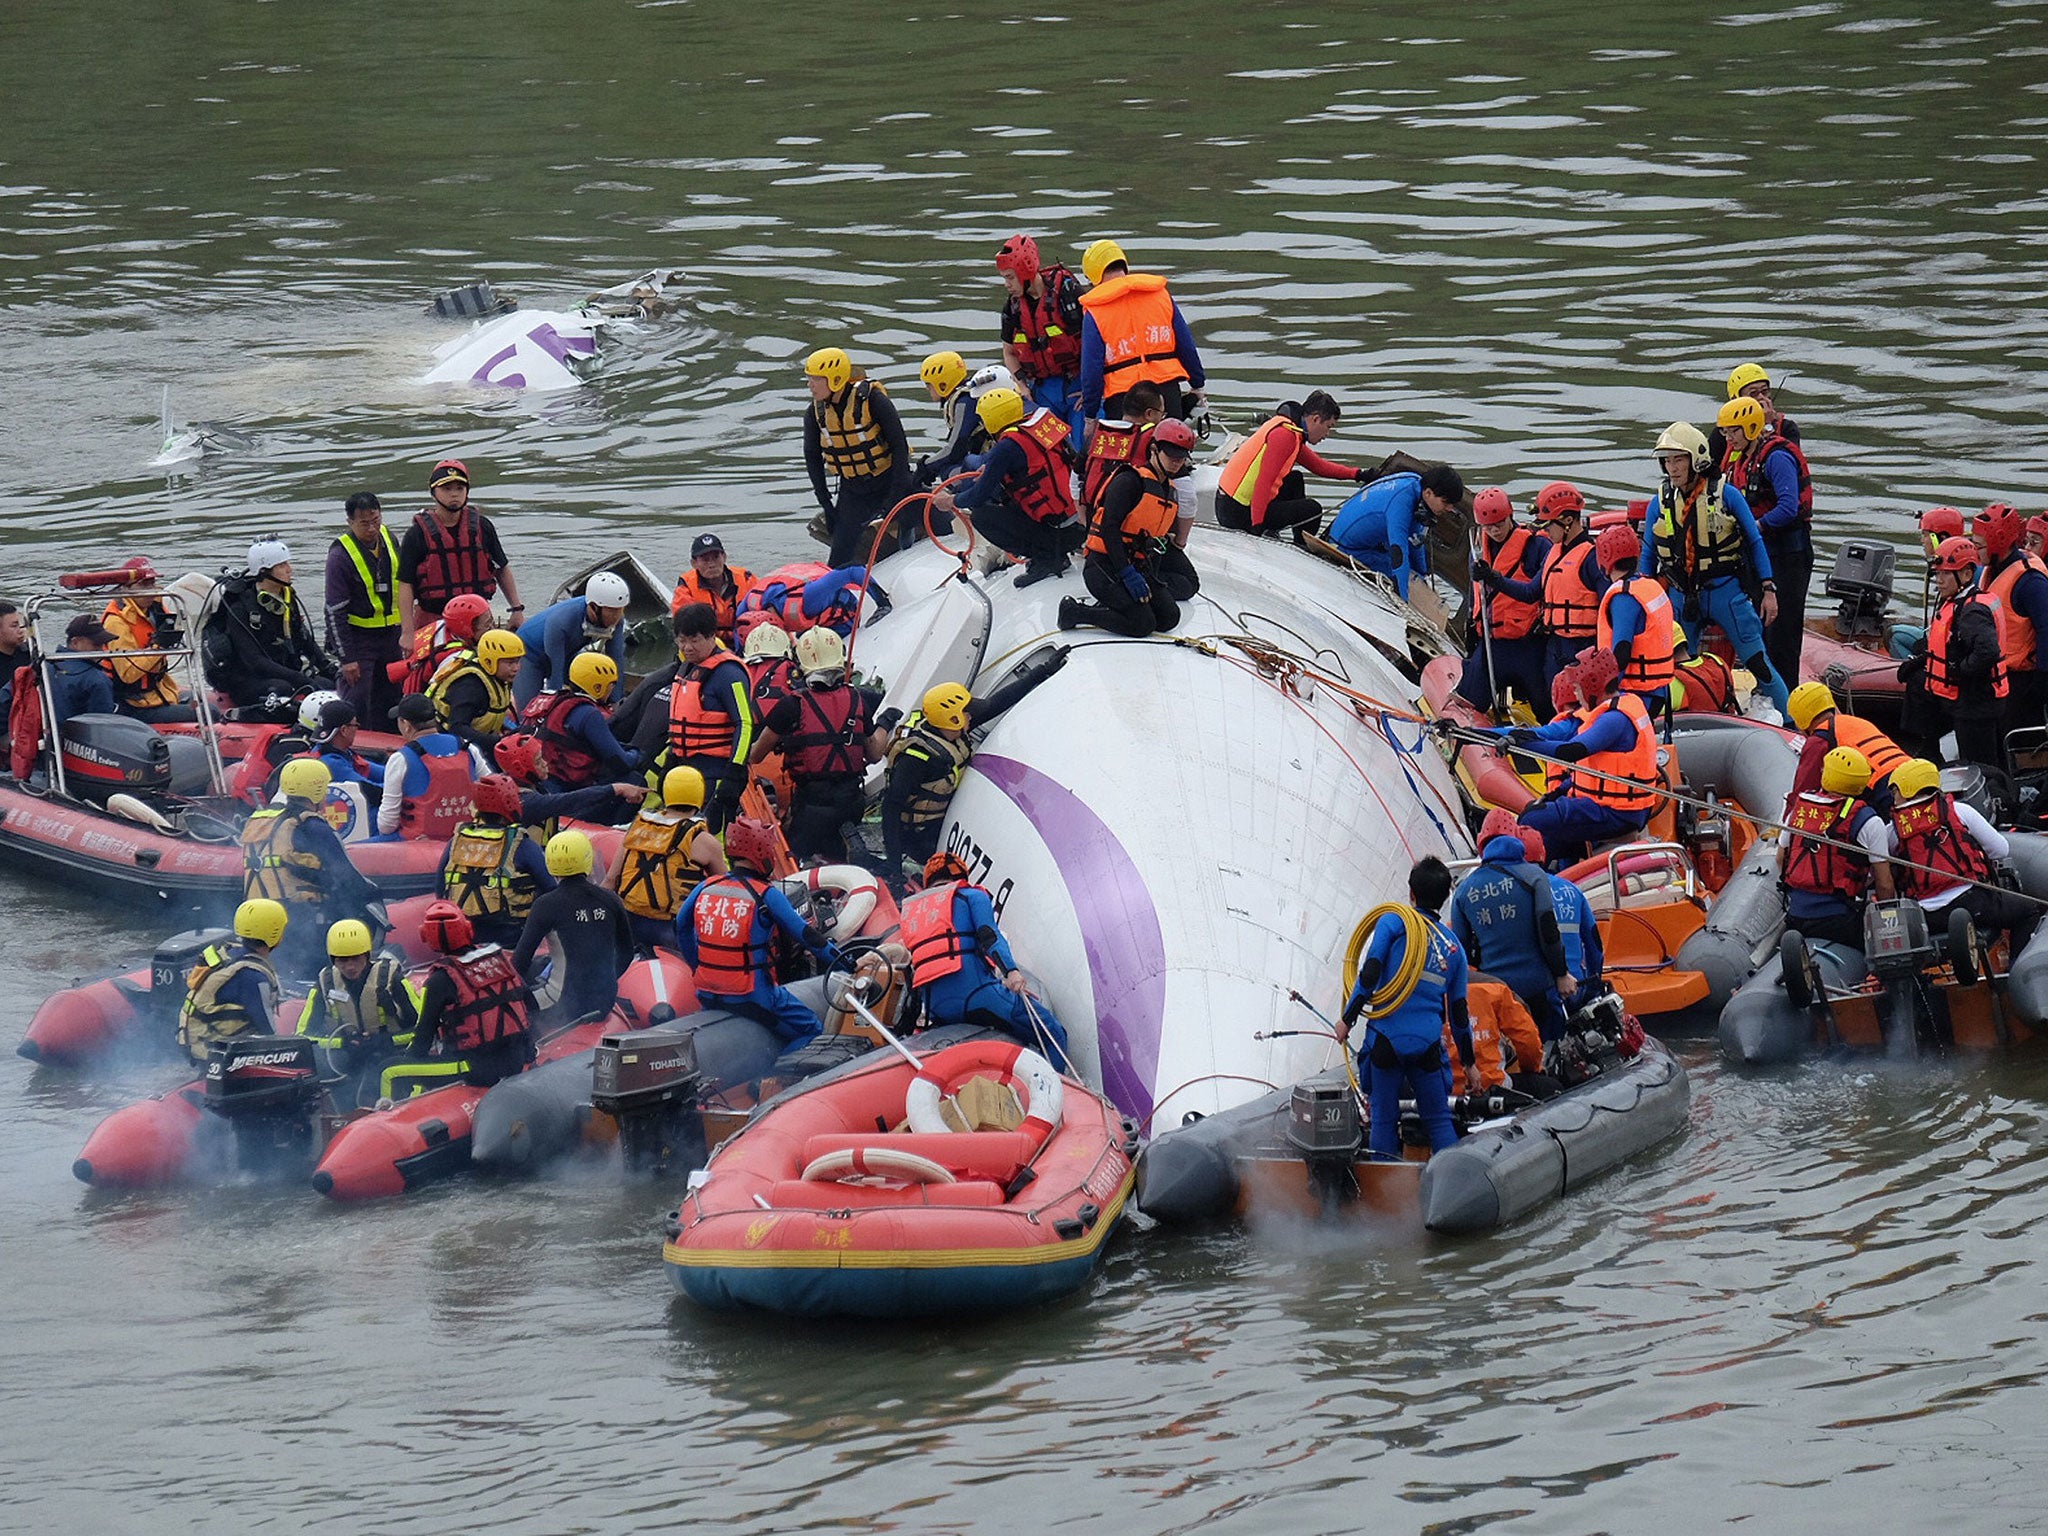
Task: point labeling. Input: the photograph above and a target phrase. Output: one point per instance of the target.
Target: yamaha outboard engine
(648, 1081)
(113, 755)
(266, 1087)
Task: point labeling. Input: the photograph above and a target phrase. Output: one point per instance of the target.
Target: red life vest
(1709, 685)
(455, 562)
(2016, 642)
(1822, 869)
(926, 928)
(1116, 444)
(430, 648)
(490, 997)
(827, 740)
(1747, 475)
(24, 722)
(695, 729)
(732, 942)
(1939, 679)
(1044, 493)
(1509, 617)
(1929, 833)
(724, 605)
(448, 801)
(1652, 653)
(1571, 608)
(771, 679)
(1039, 334)
(570, 762)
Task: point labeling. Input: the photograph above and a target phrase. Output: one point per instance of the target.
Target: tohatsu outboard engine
(112, 755)
(648, 1080)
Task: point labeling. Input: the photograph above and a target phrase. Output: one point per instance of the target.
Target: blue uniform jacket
(1419, 1022)
(81, 688)
(555, 635)
(1382, 527)
(1578, 928)
(1495, 912)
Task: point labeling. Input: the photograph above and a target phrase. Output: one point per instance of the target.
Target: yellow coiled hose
(1396, 989)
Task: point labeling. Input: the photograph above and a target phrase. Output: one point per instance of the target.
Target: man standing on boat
(1041, 332)
(1504, 916)
(1132, 333)
(828, 732)
(1696, 537)
(1957, 675)
(1635, 624)
(853, 434)
(451, 548)
(1386, 528)
(363, 618)
(1572, 581)
(2019, 581)
(1507, 646)
(711, 717)
(961, 967)
(1770, 471)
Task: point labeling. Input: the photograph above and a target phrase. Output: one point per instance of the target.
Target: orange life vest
(455, 562)
(1045, 492)
(694, 728)
(1509, 617)
(431, 647)
(1883, 753)
(1823, 869)
(1279, 435)
(1133, 314)
(1651, 655)
(936, 944)
(1571, 608)
(1929, 833)
(690, 589)
(1939, 680)
(2016, 638)
(1152, 518)
(1627, 780)
(1116, 444)
(490, 997)
(732, 945)
(1555, 774)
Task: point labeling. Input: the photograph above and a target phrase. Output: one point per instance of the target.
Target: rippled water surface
(1523, 238)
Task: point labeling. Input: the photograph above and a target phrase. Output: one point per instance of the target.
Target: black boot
(1071, 613)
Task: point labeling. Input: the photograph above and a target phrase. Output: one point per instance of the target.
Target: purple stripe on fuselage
(1119, 926)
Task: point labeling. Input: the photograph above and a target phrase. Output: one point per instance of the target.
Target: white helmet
(268, 554)
(767, 640)
(309, 710)
(819, 650)
(607, 590)
(994, 376)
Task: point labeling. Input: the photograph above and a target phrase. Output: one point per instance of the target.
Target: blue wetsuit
(1383, 528)
(1503, 914)
(976, 995)
(553, 637)
(776, 1006)
(1406, 1047)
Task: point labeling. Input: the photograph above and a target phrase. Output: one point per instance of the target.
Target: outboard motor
(1899, 949)
(1862, 579)
(113, 755)
(472, 301)
(1323, 1125)
(1594, 1033)
(265, 1086)
(648, 1081)
(171, 965)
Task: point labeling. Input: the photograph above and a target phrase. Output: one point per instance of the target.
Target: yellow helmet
(304, 778)
(348, 938)
(1743, 415)
(570, 853)
(1099, 258)
(944, 372)
(593, 673)
(496, 645)
(261, 919)
(945, 705)
(832, 365)
(1808, 703)
(1845, 771)
(1684, 437)
(999, 410)
(682, 786)
(1744, 375)
(1913, 778)
(1678, 640)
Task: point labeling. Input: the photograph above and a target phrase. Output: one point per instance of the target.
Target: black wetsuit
(590, 939)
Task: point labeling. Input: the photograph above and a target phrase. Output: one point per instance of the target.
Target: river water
(1522, 238)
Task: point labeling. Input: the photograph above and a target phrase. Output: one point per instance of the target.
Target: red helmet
(1998, 525)
(1957, 555)
(750, 840)
(445, 470)
(497, 796)
(943, 866)
(1019, 256)
(2037, 526)
(1492, 506)
(446, 929)
(1498, 823)
(141, 571)
(1532, 844)
(1597, 671)
(465, 614)
(1558, 499)
(519, 756)
(1564, 689)
(1941, 522)
(1174, 434)
(1615, 545)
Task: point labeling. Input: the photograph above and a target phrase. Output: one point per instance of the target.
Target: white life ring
(1044, 1094)
(877, 1162)
(855, 891)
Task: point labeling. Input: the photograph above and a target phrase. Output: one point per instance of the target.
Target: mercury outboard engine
(1862, 579)
(113, 755)
(171, 964)
(265, 1086)
(648, 1081)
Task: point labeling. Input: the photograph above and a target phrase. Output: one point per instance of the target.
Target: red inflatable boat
(811, 1210)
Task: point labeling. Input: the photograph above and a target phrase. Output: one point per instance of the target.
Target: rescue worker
(451, 548)
(1386, 526)
(587, 929)
(493, 871)
(2036, 542)
(2019, 581)
(472, 693)
(1041, 332)
(852, 433)
(363, 621)
(1505, 1041)
(1703, 683)
(79, 684)
(770, 659)
(291, 855)
(1937, 524)
(360, 1000)
(1957, 677)
(522, 760)
(1262, 489)
(944, 375)
(725, 929)
(710, 579)
(144, 688)
(961, 967)
(1833, 853)
(1613, 783)
(1135, 572)
(1115, 444)
(1504, 917)
(474, 1006)
(1507, 647)
(13, 652)
(711, 720)
(1132, 333)
(1769, 470)
(332, 739)
(1404, 1045)
(1826, 727)
(258, 648)
(233, 990)
(1022, 501)
(1696, 536)
(1635, 621)
(1943, 854)
(587, 625)
(572, 725)
(665, 852)
(456, 630)
(828, 733)
(1749, 380)
(430, 781)
(1578, 926)
(1572, 582)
